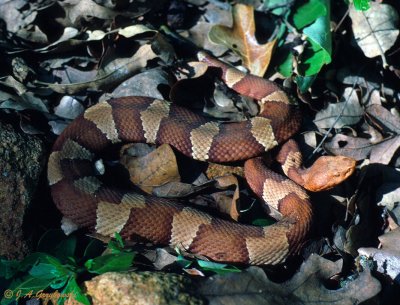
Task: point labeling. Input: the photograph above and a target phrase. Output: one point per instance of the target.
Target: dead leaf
(228, 204)
(68, 108)
(217, 170)
(375, 29)
(157, 168)
(176, 189)
(147, 83)
(84, 9)
(241, 39)
(364, 226)
(347, 112)
(383, 117)
(384, 151)
(352, 147)
(120, 72)
(214, 14)
(306, 287)
(387, 259)
(389, 195)
(22, 99)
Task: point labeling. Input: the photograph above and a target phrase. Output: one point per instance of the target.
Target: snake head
(327, 172)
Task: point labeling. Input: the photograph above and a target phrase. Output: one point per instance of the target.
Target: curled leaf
(156, 168)
(241, 39)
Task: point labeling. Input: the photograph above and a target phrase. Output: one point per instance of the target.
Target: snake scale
(83, 197)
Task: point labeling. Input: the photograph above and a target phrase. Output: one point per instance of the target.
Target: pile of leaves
(338, 57)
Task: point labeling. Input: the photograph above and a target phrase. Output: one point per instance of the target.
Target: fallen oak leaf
(217, 170)
(383, 117)
(384, 151)
(387, 259)
(356, 148)
(123, 71)
(226, 204)
(306, 287)
(154, 169)
(346, 112)
(240, 38)
(375, 30)
(360, 148)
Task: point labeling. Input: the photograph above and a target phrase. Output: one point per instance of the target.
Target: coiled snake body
(82, 197)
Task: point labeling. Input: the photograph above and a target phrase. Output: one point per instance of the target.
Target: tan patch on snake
(54, 172)
(274, 191)
(272, 248)
(185, 226)
(201, 139)
(262, 131)
(111, 218)
(88, 185)
(151, 119)
(233, 76)
(101, 115)
(139, 200)
(276, 96)
(293, 159)
(73, 150)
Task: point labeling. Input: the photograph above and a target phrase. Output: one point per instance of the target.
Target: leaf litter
(63, 56)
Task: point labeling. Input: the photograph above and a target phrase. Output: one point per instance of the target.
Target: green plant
(53, 271)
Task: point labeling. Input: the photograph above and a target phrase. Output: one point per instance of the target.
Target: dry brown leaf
(217, 170)
(352, 147)
(383, 117)
(227, 204)
(385, 150)
(175, 189)
(387, 259)
(241, 39)
(307, 287)
(125, 69)
(83, 9)
(381, 150)
(347, 112)
(156, 168)
(388, 194)
(375, 29)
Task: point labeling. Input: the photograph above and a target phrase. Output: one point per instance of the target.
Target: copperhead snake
(80, 194)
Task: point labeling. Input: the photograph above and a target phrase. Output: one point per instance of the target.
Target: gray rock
(141, 288)
(22, 159)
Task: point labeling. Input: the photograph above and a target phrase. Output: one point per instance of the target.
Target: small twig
(334, 123)
(341, 20)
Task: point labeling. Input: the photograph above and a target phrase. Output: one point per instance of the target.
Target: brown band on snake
(80, 194)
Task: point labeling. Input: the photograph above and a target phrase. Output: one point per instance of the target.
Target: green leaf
(59, 282)
(305, 82)
(93, 249)
(217, 267)
(116, 245)
(285, 62)
(24, 286)
(72, 288)
(361, 5)
(183, 262)
(111, 262)
(313, 59)
(278, 7)
(56, 243)
(46, 271)
(263, 222)
(12, 268)
(8, 268)
(308, 13)
(318, 52)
